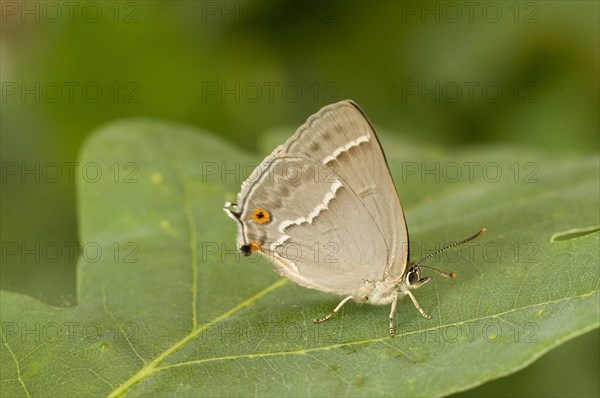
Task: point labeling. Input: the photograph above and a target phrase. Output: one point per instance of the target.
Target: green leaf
(166, 306)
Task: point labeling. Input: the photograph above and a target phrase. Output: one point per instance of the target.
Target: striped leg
(414, 300)
(392, 312)
(335, 310)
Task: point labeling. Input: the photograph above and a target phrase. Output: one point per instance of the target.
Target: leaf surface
(167, 307)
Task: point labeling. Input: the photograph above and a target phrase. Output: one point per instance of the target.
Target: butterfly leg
(414, 300)
(335, 310)
(392, 312)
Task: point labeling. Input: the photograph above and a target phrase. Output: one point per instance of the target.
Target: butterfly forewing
(323, 206)
(341, 137)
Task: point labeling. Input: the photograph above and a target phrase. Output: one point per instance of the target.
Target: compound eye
(413, 277)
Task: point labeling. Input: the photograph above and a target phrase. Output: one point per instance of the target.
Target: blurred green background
(443, 73)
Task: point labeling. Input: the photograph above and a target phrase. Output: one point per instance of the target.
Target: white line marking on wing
(345, 148)
(317, 210)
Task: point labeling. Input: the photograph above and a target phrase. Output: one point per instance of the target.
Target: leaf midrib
(375, 340)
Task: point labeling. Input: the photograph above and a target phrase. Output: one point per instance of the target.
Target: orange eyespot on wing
(261, 216)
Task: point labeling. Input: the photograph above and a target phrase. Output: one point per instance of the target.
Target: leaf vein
(192, 226)
(12, 354)
(368, 341)
(153, 366)
(121, 331)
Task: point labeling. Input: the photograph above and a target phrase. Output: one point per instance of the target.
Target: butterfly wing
(341, 136)
(323, 206)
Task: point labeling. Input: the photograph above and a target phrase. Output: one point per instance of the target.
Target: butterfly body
(386, 291)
